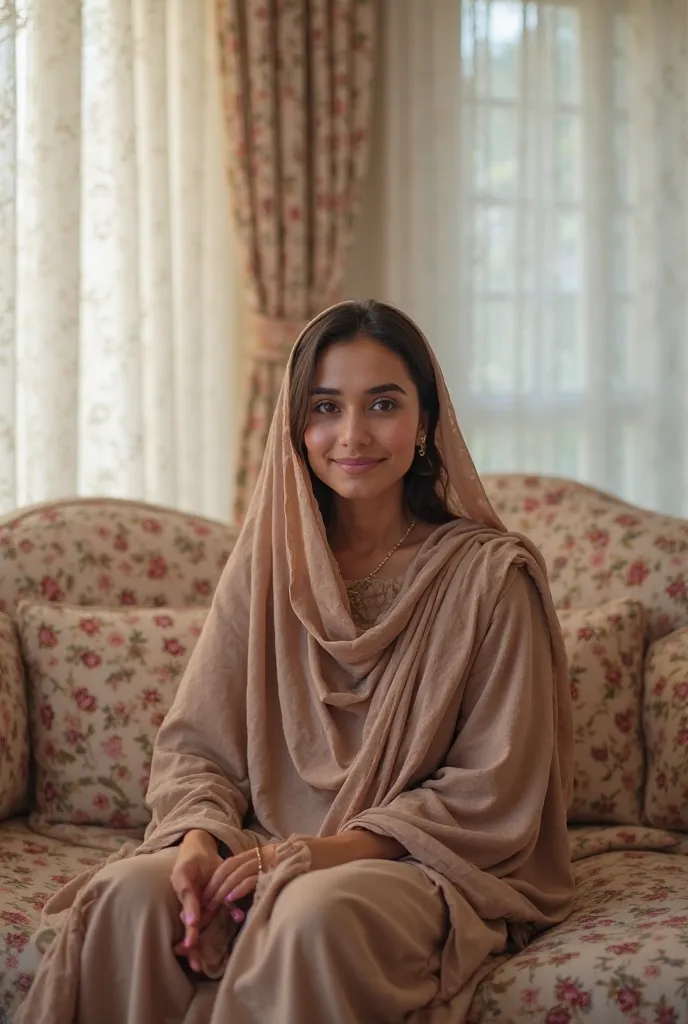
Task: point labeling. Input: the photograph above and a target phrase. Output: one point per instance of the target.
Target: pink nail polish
(237, 915)
(187, 943)
(234, 894)
(188, 918)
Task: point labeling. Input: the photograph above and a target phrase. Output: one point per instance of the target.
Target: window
(534, 186)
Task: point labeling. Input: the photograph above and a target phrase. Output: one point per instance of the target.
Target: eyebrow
(379, 389)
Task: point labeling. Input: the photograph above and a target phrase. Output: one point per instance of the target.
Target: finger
(191, 916)
(191, 956)
(236, 913)
(241, 864)
(231, 883)
(234, 890)
(219, 876)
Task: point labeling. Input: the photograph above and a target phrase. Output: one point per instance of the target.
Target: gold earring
(422, 449)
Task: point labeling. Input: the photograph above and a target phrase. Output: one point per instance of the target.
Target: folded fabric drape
(271, 339)
(297, 82)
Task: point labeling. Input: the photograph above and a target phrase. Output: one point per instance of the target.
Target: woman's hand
(196, 863)
(204, 881)
(236, 878)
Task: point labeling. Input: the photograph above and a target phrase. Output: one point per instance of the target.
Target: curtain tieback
(272, 338)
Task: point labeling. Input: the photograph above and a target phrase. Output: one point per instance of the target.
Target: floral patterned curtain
(297, 87)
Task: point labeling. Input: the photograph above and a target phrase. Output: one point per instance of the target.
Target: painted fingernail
(187, 942)
(188, 918)
(237, 915)
(234, 894)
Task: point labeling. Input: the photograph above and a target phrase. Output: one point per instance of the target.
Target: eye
(326, 408)
(384, 405)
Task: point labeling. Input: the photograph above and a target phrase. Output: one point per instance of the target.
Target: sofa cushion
(605, 649)
(620, 957)
(108, 552)
(665, 717)
(31, 870)
(14, 733)
(598, 548)
(100, 682)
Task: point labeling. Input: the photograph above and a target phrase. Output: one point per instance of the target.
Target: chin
(361, 489)
(358, 492)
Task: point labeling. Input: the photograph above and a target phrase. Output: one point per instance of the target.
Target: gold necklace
(356, 588)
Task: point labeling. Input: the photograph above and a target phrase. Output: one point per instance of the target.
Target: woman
(359, 795)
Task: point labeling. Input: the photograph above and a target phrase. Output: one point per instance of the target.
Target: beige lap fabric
(444, 723)
(320, 927)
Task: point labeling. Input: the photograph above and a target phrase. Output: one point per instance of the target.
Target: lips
(357, 462)
(356, 466)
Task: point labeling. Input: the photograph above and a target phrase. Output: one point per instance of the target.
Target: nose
(353, 431)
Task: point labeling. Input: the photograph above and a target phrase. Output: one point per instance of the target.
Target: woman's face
(364, 419)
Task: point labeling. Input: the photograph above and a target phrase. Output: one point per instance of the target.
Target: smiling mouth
(355, 466)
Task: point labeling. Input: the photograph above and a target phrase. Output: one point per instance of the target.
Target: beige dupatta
(287, 721)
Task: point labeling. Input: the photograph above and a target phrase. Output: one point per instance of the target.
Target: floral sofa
(101, 602)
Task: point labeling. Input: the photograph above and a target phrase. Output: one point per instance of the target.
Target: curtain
(533, 209)
(116, 264)
(297, 88)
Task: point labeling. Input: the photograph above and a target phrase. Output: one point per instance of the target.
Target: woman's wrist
(352, 845)
(199, 837)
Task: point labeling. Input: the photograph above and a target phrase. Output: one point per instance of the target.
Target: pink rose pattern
(597, 548)
(621, 957)
(665, 716)
(32, 869)
(92, 553)
(605, 648)
(97, 706)
(14, 731)
(107, 552)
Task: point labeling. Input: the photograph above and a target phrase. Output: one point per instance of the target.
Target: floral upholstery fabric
(32, 868)
(665, 716)
(14, 734)
(101, 682)
(108, 552)
(605, 648)
(597, 548)
(620, 958)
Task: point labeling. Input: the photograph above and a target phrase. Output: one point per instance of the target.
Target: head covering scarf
(437, 726)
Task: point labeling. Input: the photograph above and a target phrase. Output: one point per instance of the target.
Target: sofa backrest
(110, 552)
(598, 548)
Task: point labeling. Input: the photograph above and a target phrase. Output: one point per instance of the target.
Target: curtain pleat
(298, 86)
(117, 296)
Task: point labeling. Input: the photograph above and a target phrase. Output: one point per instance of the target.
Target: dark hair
(425, 484)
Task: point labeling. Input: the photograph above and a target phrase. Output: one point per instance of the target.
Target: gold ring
(259, 855)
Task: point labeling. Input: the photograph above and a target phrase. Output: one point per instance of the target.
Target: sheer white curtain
(116, 264)
(534, 205)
